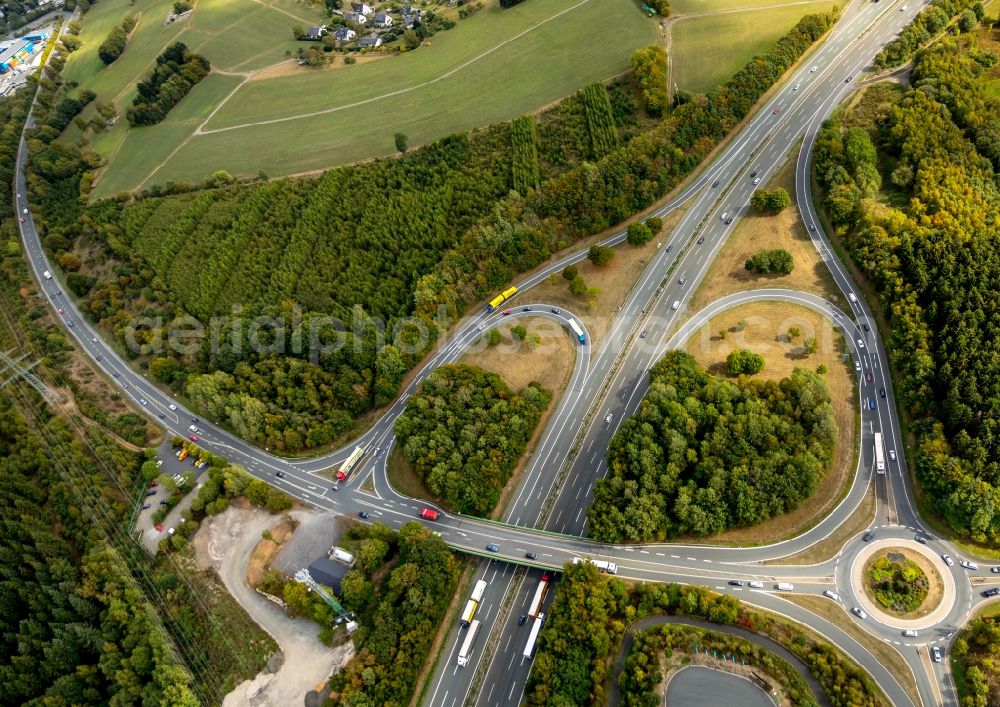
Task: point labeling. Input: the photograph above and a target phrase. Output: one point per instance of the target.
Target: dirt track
(225, 542)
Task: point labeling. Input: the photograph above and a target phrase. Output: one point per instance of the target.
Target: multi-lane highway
(607, 384)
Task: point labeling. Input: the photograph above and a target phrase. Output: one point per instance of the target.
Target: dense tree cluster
(643, 674)
(773, 200)
(704, 454)
(400, 611)
(925, 26)
(937, 270)
(464, 432)
(176, 72)
(649, 66)
(113, 46)
(977, 649)
(524, 154)
(600, 121)
(766, 261)
(589, 616)
(898, 584)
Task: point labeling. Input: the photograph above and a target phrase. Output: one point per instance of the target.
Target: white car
(725, 214)
(757, 180)
(143, 401)
(861, 344)
(948, 561)
(608, 418)
(832, 595)
(172, 406)
(859, 612)
(910, 633)
(969, 565)
(756, 585)
(813, 70)
(675, 305)
(892, 455)
(795, 87)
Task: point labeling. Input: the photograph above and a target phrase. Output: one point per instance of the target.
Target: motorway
(547, 512)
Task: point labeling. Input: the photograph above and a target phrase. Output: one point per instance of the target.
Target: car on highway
(193, 438)
(812, 227)
(785, 587)
(832, 595)
(192, 428)
(60, 310)
(608, 419)
(892, 455)
(521, 619)
(864, 326)
(859, 612)
(115, 374)
(675, 305)
(922, 539)
(756, 585)
(936, 654)
(527, 309)
(753, 174)
(715, 183)
(868, 376)
(757, 180)
(995, 570)
(493, 547)
(531, 555)
(881, 392)
(848, 79)
(857, 365)
(868, 536)
(172, 406)
(910, 633)
(682, 279)
(21, 219)
(813, 70)
(506, 313)
(335, 488)
(736, 582)
(861, 344)
(795, 87)
(556, 310)
(670, 248)
(947, 560)
(643, 333)
(991, 592)
(70, 323)
(701, 240)
(969, 565)
(729, 220)
(428, 514)
(143, 401)
(725, 215)
(776, 110)
(280, 474)
(377, 450)
(362, 514)
(872, 404)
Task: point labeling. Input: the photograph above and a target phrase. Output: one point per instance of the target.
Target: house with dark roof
(362, 8)
(355, 17)
(345, 34)
(382, 19)
(371, 41)
(328, 573)
(316, 32)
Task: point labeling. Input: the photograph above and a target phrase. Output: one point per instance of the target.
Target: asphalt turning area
(697, 686)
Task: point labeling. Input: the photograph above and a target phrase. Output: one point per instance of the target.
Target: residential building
(362, 8)
(355, 17)
(372, 41)
(316, 32)
(344, 34)
(382, 19)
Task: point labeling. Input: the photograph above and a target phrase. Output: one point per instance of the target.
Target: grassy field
(708, 50)
(527, 57)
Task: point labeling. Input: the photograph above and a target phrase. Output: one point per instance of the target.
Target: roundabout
(932, 609)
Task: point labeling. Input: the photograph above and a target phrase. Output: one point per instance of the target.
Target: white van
(756, 585)
(831, 595)
(47, 275)
(785, 587)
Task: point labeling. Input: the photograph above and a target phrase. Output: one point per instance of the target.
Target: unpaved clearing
(226, 542)
(549, 363)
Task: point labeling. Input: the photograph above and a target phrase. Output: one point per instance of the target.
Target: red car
(60, 310)
(506, 312)
(22, 219)
(868, 376)
(776, 110)
(159, 527)
(154, 483)
(193, 438)
(428, 514)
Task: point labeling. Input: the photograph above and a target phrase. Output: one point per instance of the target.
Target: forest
(930, 254)
(931, 20)
(464, 432)
(399, 610)
(704, 454)
(586, 622)
(445, 220)
(976, 650)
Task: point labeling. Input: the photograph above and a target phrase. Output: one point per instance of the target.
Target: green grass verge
(513, 72)
(708, 50)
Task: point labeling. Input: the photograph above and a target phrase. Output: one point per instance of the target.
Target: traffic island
(893, 592)
(902, 583)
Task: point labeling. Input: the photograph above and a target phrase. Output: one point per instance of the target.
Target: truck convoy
(470, 638)
(536, 602)
(348, 466)
(500, 299)
(473, 603)
(578, 331)
(879, 454)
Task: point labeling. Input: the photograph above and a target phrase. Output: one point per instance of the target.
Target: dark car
(868, 536)
(752, 175)
(715, 183)
(848, 79)
(736, 582)
(991, 592)
(922, 539)
(151, 492)
(531, 555)
(555, 310)
(164, 502)
(729, 220)
(280, 474)
(669, 248)
(872, 404)
(865, 326)
(527, 309)
(147, 506)
(362, 514)
(812, 227)
(881, 392)
(995, 570)
(493, 548)
(522, 619)
(701, 240)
